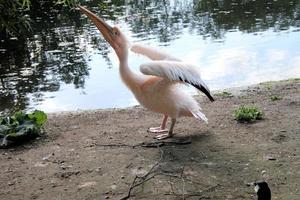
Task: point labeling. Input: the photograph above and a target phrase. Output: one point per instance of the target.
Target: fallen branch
(135, 183)
(195, 194)
(159, 143)
(151, 144)
(115, 145)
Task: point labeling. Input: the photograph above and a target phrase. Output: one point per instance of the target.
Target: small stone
(106, 197)
(10, 183)
(46, 158)
(87, 184)
(270, 158)
(40, 164)
(98, 169)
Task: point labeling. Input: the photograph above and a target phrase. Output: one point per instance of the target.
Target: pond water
(66, 65)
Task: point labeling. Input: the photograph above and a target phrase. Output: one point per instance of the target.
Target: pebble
(98, 169)
(87, 184)
(10, 183)
(270, 158)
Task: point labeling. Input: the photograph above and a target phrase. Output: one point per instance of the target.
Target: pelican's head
(112, 35)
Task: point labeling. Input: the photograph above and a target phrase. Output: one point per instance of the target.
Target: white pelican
(157, 87)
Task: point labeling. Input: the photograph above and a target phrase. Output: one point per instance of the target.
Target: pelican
(157, 86)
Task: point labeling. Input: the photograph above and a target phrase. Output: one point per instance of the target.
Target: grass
(248, 114)
(275, 98)
(269, 84)
(293, 80)
(224, 94)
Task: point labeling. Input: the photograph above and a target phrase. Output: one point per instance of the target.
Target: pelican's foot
(163, 136)
(157, 130)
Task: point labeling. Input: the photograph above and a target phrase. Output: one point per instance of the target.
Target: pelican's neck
(130, 78)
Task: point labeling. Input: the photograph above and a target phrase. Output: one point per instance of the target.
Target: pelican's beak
(103, 27)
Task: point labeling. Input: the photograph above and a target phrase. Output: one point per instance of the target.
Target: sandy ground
(98, 154)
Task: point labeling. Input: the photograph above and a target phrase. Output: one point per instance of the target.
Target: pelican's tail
(199, 115)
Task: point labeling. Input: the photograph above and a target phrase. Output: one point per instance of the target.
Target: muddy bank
(98, 154)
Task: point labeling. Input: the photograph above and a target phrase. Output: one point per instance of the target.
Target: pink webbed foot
(163, 136)
(160, 129)
(157, 130)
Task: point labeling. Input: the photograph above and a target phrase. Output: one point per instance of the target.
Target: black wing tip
(201, 88)
(208, 95)
(205, 91)
(211, 98)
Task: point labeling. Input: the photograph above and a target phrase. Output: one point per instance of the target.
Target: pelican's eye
(115, 33)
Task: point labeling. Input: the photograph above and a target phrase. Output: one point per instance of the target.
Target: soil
(101, 154)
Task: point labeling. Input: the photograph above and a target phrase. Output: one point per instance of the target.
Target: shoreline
(236, 91)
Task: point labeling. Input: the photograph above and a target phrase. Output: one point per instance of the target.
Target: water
(66, 65)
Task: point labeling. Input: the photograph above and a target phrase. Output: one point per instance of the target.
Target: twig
(115, 145)
(196, 194)
(143, 178)
(152, 144)
(157, 144)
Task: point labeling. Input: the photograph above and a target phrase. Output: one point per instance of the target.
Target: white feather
(199, 115)
(151, 53)
(173, 71)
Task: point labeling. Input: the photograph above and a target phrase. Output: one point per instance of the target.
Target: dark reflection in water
(58, 50)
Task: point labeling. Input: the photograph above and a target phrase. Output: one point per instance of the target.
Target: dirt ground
(102, 154)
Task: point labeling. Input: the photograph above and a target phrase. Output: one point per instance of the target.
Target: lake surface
(66, 65)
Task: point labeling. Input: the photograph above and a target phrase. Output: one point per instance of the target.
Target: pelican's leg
(162, 127)
(169, 134)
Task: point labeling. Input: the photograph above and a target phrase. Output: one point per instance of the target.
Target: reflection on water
(66, 65)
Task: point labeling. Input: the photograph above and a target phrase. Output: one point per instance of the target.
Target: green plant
(15, 17)
(21, 127)
(247, 114)
(70, 3)
(225, 94)
(275, 97)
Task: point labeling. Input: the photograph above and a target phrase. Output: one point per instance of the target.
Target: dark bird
(262, 190)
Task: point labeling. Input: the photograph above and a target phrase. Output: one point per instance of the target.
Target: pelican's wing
(151, 53)
(176, 71)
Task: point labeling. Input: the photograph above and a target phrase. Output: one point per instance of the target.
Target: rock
(10, 183)
(46, 158)
(269, 158)
(87, 184)
(40, 164)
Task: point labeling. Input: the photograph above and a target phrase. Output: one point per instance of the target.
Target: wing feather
(176, 71)
(151, 53)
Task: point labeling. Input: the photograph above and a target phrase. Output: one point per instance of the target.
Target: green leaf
(20, 127)
(39, 117)
(247, 114)
(4, 129)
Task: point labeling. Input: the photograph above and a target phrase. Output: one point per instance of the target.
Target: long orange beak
(103, 27)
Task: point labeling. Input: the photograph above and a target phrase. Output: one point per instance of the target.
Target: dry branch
(139, 180)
